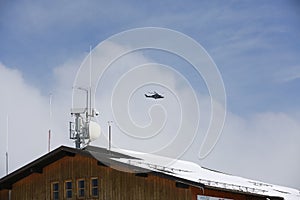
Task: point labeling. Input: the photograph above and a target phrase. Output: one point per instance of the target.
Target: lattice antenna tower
(84, 129)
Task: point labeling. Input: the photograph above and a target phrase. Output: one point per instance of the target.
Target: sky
(254, 44)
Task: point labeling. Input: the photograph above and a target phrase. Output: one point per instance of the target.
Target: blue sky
(255, 45)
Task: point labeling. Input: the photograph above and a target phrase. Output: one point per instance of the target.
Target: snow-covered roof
(144, 162)
(193, 172)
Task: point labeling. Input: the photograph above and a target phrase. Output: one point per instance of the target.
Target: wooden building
(96, 173)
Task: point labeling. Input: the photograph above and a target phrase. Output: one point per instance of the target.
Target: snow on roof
(145, 162)
(193, 172)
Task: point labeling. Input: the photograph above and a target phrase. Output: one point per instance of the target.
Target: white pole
(90, 87)
(50, 121)
(6, 154)
(109, 135)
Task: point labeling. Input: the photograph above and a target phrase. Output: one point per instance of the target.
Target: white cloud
(264, 146)
(261, 146)
(258, 147)
(139, 81)
(28, 115)
(291, 74)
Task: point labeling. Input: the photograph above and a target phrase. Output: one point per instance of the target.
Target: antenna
(90, 85)
(90, 66)
(50, 119)
(79, 129)
(6, 154)
(109, 134)
(84, 130)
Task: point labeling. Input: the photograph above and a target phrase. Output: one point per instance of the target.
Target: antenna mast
(90, 85)
(84, 130)
(6, 154)
(109, 134)
(50, 118)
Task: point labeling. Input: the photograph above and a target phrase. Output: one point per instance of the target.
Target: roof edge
(37, 165)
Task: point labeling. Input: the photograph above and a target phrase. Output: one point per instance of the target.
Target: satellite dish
(94, 130)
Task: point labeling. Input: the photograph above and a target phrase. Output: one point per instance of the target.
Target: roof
(37, 165)
(210, 178)
(141, 163)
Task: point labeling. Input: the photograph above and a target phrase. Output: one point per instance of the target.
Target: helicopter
(154, 95)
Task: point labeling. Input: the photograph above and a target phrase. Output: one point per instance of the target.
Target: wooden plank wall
(113, 184)
(4, 194)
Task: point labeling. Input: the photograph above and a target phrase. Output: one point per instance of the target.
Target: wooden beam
(36, 170)
(141, 175)
(101, 164)
(181, 185)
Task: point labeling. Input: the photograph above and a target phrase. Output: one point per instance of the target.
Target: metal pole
(6, 163)
(90, 85)
(6, 154)
(109, 127)
(90, 107)
(77, 142)
(77, 130)
(7, 126)
(50, 119)
(87, 105)
(49, 139)
(109, 135)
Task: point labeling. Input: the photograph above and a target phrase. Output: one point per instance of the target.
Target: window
(94, 187)
(55, 191)
(80, 188)
(68, 189)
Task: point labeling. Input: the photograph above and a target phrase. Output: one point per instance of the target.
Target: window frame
(79, 189)
(52, 190)
(68, 189)
(93, 187)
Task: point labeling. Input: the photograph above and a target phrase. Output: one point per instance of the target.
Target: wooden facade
(112, 184)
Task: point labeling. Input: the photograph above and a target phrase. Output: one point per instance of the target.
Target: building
(96, 173)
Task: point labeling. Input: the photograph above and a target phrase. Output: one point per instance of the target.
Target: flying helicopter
(154, 95)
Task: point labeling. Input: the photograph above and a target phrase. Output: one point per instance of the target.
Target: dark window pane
(81, 184)
(69, 185)
(95, 192)
(55, 195)
(94, 187)
(81, 188)
(69, 194)
(55, 186)
(94, 182)
(81, 193)
(68, 189)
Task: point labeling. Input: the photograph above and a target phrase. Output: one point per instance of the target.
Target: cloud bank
(261, 146)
